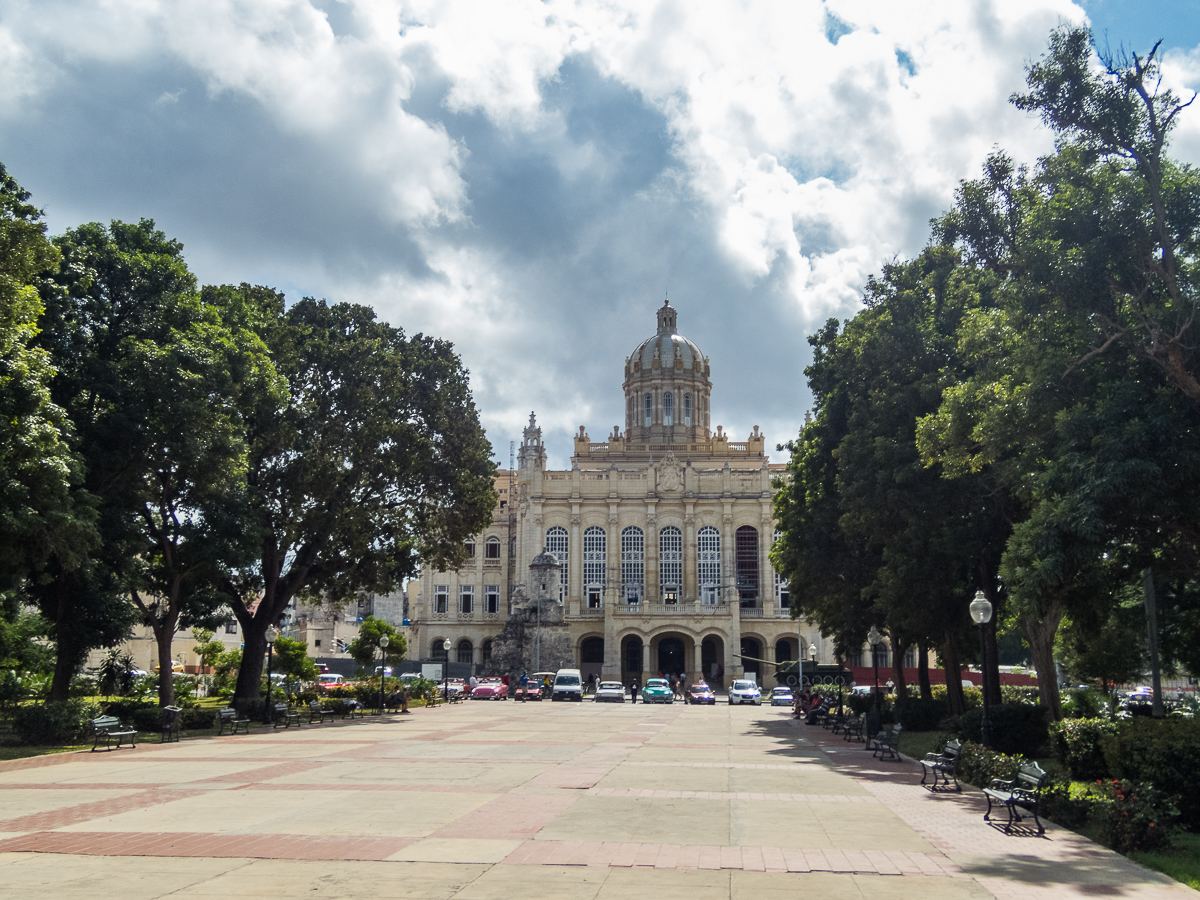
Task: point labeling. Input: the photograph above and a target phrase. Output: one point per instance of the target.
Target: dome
(544, 559)
(667, 347)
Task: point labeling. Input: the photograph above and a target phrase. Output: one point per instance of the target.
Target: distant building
(662, 533)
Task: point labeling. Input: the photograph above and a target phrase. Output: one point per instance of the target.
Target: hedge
(1078, 744)
(1015, 728)
(55, 722)
(916, 714)
(1162, 752)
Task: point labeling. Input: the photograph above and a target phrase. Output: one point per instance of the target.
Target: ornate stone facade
(662, 533)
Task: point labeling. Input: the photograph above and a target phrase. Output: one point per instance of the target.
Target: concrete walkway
(503, 800)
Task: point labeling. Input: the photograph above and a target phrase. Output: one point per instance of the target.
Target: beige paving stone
(444, 750)
(133, 877)
(821, 826)
(642, 820)
(667, 778)
(130, 769)
(407, 814)
(805, 778)
(23, 802)
(305, 878)
(536, 883)
(456, 850)
(428, 772)
(778, 886)
(665, 884)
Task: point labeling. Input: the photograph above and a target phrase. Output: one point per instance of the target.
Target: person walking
(633, 690)
(524, 686)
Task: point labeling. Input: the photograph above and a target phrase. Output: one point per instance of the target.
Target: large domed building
(661, 532)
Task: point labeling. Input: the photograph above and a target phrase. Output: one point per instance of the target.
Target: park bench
(943, 764)
(352, 708)
(817, 716)
(318, 713)
(886, 741)
(170, 723)
(394, 701)
(852, 730)
(836, 723)
(1023, 791)
(109, 729)
(229, 717)
(285, 715)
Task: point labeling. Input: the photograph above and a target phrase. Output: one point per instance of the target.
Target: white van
(568, 685)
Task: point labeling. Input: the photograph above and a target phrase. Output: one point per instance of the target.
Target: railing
(589, 613)
(671, 609)
(750, 612)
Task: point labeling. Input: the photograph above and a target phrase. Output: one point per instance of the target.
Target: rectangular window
(708, 560)
(595, 598)
(649, 409)
(466, 599)
(231, 626)
(441, 599)
(317, 643)
(687, 410)
(670, 563)
(492, 548)
(595, 547)
(491, 598)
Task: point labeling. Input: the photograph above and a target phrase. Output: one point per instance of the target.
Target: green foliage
(1066, 805)
(12, 690)
(365, 649)
(206, 648)
(978, 766)
(116, 673)
(1084, 703)
(1134, 816)
(1016, 729)
(1020, 694)
(291, 658)
(1164, 753)
(916, 714)
(1078, 744)
(198, 718)
(21, 634)
(972, 697)
(55, 722)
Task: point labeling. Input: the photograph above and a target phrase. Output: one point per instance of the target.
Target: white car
(745, 691)
(610, 692)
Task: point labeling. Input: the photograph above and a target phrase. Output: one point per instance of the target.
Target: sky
(530, 179)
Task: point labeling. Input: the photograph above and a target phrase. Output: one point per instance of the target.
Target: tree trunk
(900, 686)
(1040, 631)
(954, 689)
(923, 671)
(65, 657)
(992, 661)
(164, 635)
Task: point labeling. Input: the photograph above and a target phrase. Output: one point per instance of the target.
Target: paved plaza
(520, 802)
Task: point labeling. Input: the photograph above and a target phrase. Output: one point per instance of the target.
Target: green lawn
(1181, 862)
(22, 751)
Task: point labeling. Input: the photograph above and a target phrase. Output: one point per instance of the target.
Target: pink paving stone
(773, 860)
(881, 863)
(583, 855)
(519, 855)
(752, 859)
(858, 861)
(668, 856)
(646, 854)
(731, 857)
(837, 861)
(689, 858)
(605, 853)
(562, 852)
(710, 858)
(816, 861)
(625, 856)
(906, 866)
(540, 853)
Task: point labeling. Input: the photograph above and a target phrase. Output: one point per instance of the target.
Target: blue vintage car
(657, 690)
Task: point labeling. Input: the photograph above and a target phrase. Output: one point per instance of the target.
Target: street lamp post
(981, 614)
(874, 638)
(383, 645)
(446, 670)
(272, 633)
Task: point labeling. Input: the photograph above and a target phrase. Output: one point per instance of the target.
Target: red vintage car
(490, 689)
(700, 694)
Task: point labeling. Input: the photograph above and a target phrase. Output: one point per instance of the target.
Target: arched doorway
(712, 659)
(672, 656)
(591, 657)
(631, 659)
(751, 654)
(466, 651)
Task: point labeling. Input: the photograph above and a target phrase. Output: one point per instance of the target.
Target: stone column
(689, 589)
(698, 660)
(650, 567)
(575, 559)
(729, 592)
(612, 648)
(733, 644)
(766, 575)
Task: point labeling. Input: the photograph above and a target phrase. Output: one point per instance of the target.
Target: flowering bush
(1133, 816)
(978, 765)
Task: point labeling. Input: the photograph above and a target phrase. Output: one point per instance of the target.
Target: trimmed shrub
(916, 714)
(978, 765)
(1078, 744)
(55, 722)
(1015, 728)
(198, 717)
(1058, 804)
(1164, 753)
(1020, 693)
(972, 697)
(252, 709)
(1131, 816)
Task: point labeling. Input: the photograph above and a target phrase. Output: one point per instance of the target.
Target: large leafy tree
(373, 460)
(148, 375)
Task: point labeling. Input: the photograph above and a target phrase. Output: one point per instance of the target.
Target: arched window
(557, 543)
(465, 651)
(783, 651)
(708, 562)
(633, 564)
(469, 543)
(595, 561)
(687, 410)
(668, 409)
(648, 409)
(491, 550)
(670, 563)
(487, 652)
(437, 649)
(746, 561)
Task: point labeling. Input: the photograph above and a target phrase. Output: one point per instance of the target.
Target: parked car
(325, 682)
(657, 690)
(701, 694)
(568, 685)
(745, 691)
(455, 687)
(536, 691)
(782, 696)
(490, 689)
(610, 692)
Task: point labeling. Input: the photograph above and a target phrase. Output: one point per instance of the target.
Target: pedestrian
(633, 691)
(524, 686)
(404, 699)
(474, 681)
